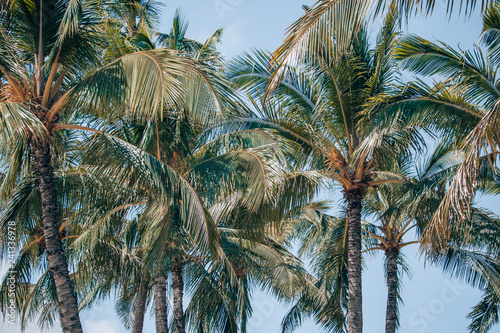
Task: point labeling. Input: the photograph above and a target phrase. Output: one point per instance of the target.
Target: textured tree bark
(355, 305)
(161, 304)
(58, 265)
(139, 309)
(178, 287)
(391, 316)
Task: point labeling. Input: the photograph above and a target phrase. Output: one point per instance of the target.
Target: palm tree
(397, 209)
(140, 19)
(122, 268)
(205, 172)
(471, 250)
(46, 84)
(462, 109)
(140, 308)
(181, 147)
(20, 96)
(321, 109)
(472, 256)
(471, 253)
(35, 293)
(168, 141)
(176, 40)
(393, 222)
(112, 261)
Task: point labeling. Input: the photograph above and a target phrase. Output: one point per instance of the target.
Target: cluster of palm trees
(135, 163)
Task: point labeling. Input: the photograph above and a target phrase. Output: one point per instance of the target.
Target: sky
(433, 302)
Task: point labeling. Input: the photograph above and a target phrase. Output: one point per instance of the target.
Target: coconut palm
(388, 233)
(99, 269)
(46, 83)
(176, 40)
(471, 253)
(26, 32)
(220, 169)
(35, 296)
(227, 171)
(462, 109)
(181, 144)
(112, 264)
(169, 141)
(140, 19)
(397, 209)
(204, 171)
(472, 256)
(319, 105)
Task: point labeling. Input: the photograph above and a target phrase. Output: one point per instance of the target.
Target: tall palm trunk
(139, 309)
(161, 304)
(178, 286)
(392, 290)
(58, 265)
(355, 305)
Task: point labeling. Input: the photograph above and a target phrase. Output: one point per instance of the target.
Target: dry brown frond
(334, 159)
(14, 92)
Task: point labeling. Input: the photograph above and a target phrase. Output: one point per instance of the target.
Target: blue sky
(433, 302)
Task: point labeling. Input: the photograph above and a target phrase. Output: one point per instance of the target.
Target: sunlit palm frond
(482, 141)
(18, 122)
(127, 80)
(162, 179)
(330, 25)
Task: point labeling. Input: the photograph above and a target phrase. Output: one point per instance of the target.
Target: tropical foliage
(142, 168)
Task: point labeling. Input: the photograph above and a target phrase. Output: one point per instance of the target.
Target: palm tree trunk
(58, 265)
(355, 305)
(139, 309)
(391, 316)
(178, 286)
(161, 304)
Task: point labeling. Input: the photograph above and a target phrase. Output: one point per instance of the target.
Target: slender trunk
(178, 286)
(58, 265)
(39, 59)
(161, 304)
(391, 316)
(139, 309)
(355, 305)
